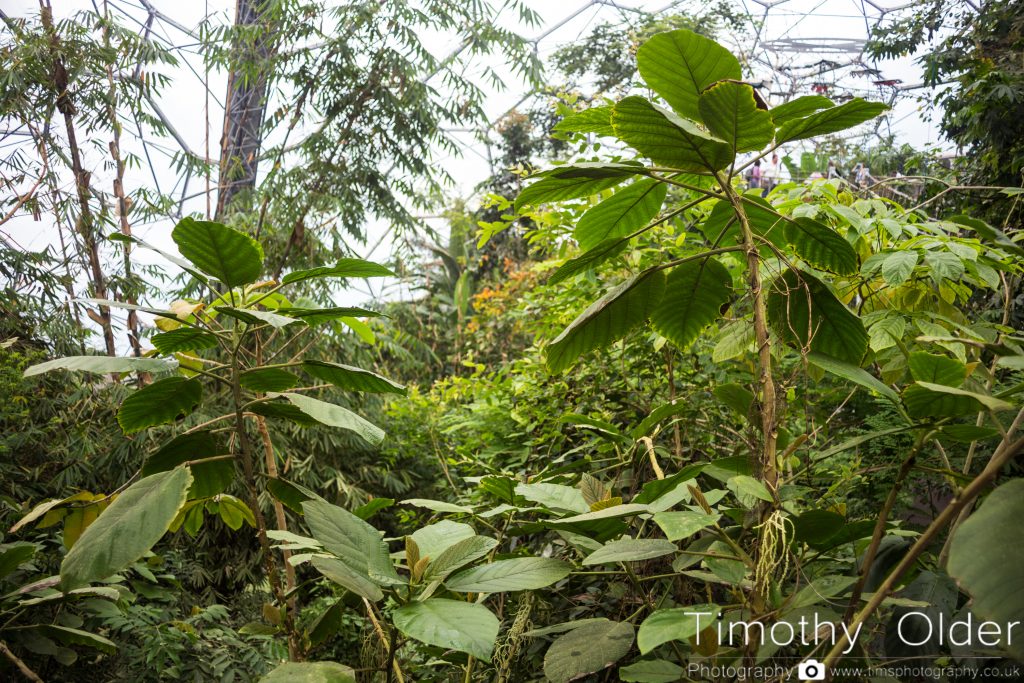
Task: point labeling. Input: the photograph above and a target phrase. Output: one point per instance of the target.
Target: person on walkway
(754, 175)
(770, 178)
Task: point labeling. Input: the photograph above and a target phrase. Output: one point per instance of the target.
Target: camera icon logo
(811, 670)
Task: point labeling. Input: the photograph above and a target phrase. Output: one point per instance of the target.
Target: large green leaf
(127, 529)
(232, 257)
(630, 550)
(74, 636)
(804, 312)
(722, 227)
(730, 112)
(351, 540)
(594, 120)
(268, 379)
(101, 365)
(310, 672)
(573, 182)
(251, 316)
(684, 523)
(517, 574)
(695, 293)
(589, 648)
(677, 623)
(208, 478)
(799, 108)
(622, 213)
(346, 267)
(666, 139)
(831, 120)
(316, 316)
(985, 557)
(853, 373)
(589, 260)
(608, 319)
(821, 246)
(464, 626)
(163, 401)
(458, 555)
(680, 64)
(555, 497)
(345, 576)
(352, 378)
(898, 266)
(931, 367)
(334, 416)
(434, 539)
(925, 399)
(652, 671)
(183, 339)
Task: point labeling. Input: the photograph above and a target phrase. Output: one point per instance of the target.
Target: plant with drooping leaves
(245, 340)
(808, 268)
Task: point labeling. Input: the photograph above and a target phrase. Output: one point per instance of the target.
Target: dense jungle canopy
(711, 377)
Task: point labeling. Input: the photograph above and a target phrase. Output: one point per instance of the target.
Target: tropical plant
(250, 324)
(834, 280)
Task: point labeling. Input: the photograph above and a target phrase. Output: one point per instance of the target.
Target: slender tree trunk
(122, 202)
(84, 223)
(246, 103)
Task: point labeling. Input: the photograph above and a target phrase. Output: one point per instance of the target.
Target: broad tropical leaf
(730, 112)
(666, 139)
(101, 365)
(352, 378)
(251, 316)
(351, 540)
(853, 373)
(183, 339)
(268, 379)
(652, 671)
(345, 576)
(925, 399)
(127, 529)
(677, 623)
(591, 259)
(208, 478)
(434, 539)
(799, 108)
(464, 626)
(680, 64)
(931, 367)
(683, 524)
(310, 672)
(805, 313)
(821, 246)
(315, 316)
(695, 294)
(346, 267)
(586, 649)
(630, 550)
(596, 120)
(608, 319)
(985, 557)
(334, 416)
(232, 257)
(831, 120)
(458, 555)
(163, 401)
(622, 213)
(555, 497)
(518, 574)
(573, 182)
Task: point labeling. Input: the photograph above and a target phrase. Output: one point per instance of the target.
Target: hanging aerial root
(507, 650)
(776, 532)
